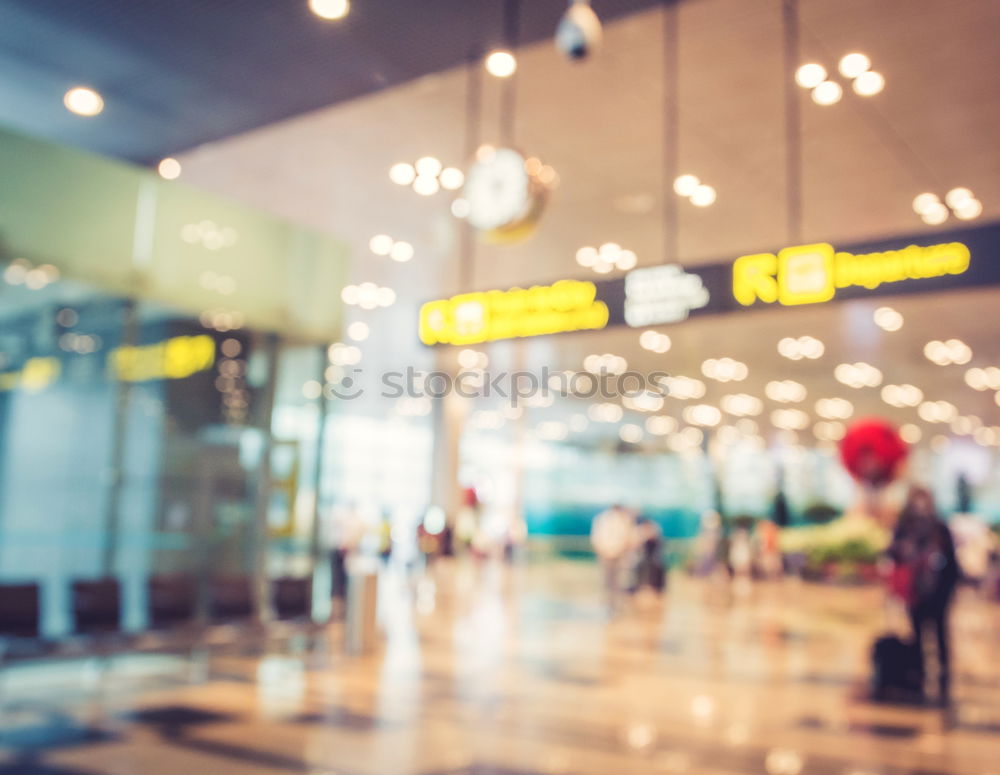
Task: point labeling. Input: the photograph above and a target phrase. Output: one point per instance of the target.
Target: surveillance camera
(579, 32)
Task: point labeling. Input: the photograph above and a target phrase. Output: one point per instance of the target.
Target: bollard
(362, 599)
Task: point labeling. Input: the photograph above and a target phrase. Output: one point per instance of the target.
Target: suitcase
(898, 670)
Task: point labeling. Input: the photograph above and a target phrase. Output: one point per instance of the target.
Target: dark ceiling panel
(180, 73)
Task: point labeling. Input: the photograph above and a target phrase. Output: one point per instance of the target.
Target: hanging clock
(505, 194)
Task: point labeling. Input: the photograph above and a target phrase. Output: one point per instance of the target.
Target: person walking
(612, 537)
(926, 574)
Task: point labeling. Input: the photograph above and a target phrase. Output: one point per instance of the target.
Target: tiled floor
(512, 672)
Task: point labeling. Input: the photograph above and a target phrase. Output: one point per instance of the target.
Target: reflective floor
(513, 671)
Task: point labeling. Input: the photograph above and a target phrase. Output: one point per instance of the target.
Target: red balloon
(872, 451)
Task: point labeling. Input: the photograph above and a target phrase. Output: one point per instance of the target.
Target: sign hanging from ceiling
(665, 294)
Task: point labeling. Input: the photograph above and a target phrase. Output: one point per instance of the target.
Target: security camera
(579, 32)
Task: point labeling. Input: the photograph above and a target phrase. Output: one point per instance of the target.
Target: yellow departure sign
(174, 358)
(808, 274)
(470, 318)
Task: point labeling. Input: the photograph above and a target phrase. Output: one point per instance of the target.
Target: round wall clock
(505, 195)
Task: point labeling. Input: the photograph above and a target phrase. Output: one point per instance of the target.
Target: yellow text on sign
(808, 274)
(175, 358)
(566, 305)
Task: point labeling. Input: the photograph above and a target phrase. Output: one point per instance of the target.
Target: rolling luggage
(898, 670)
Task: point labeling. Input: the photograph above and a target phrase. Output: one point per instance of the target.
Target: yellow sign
(808, 274)
(469, 318)
(175, 358)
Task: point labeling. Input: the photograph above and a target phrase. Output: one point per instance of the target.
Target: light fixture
(910, 433)
(605, 412)
(952, 351)
(630, 433)
(810, 75)
(853, 65)
(358, 331)
(401, 251)
(858, 375)
(827, 93)
(834, 408)
(868, 84)
(683, 388)
(796, 349)
(83, 101)
(606, 258)
(654, 341)
(960, 200)
(741, 405)
(888, 319)
(724, 369)
(460, 208)
(330, 10)
(605, 364)
(983, 379)
(473, 359)
(501, 64)
(785, 391)
(425, 185)
(702, 414)
(703, 196)
(789, 419)
(380, 244)
(428, 166)
(452, 178)
(367, 296)
(340, 354)
(169, 168)
(902, 395)
(402, 174)
(829, 430)
(660, 425)
(684, 185)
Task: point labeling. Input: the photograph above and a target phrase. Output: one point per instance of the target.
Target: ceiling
(600, 124)
(178, 74)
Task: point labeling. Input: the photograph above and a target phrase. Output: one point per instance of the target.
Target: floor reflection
(488, 669)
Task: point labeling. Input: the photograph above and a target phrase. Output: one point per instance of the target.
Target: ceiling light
(804, 347)
(969, 209)
(654, 341)
(785, 391)
(386, 297)
(910, 433)
(834, 408)
(853, 65)
(683, 388)
(358, 331)
(741, 405)
(702, 414)
(789, 419)
(452, 178)
(586, 256)
(83, 101)
(810, 75)
(401, 252)
(425, 185)
(829, 430)
(868, 84)
(827, 93)
(888, 319)
(605, 412)
(684, 185)
(627, 259)
(630, 433)
(724, 369)
(330, 9)
(703, 196)
(428, 166)
(169, 168)
(461, 208)
(923, 202)
(380, 244)
(858, 375)
(660, 425)
(501, 64)
(957, 196)
(935, 214)
(402, 174)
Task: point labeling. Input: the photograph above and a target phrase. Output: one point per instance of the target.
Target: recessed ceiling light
(330, 9)
(810, 75)
(401, 251)
(358, 331)
(169, 169)
(969, 209)
(501, 64)
(83, 101)
(703, 196)
(425, 185)
(827, 93)
(888, 319)
(853, 65)
(684, 185)
(934, 214)
(428, 166)
(923, 202)
(452, 178)
(868, 84)
(402, 174)
(380, 244)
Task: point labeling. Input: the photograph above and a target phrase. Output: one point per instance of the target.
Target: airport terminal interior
(499, 387)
